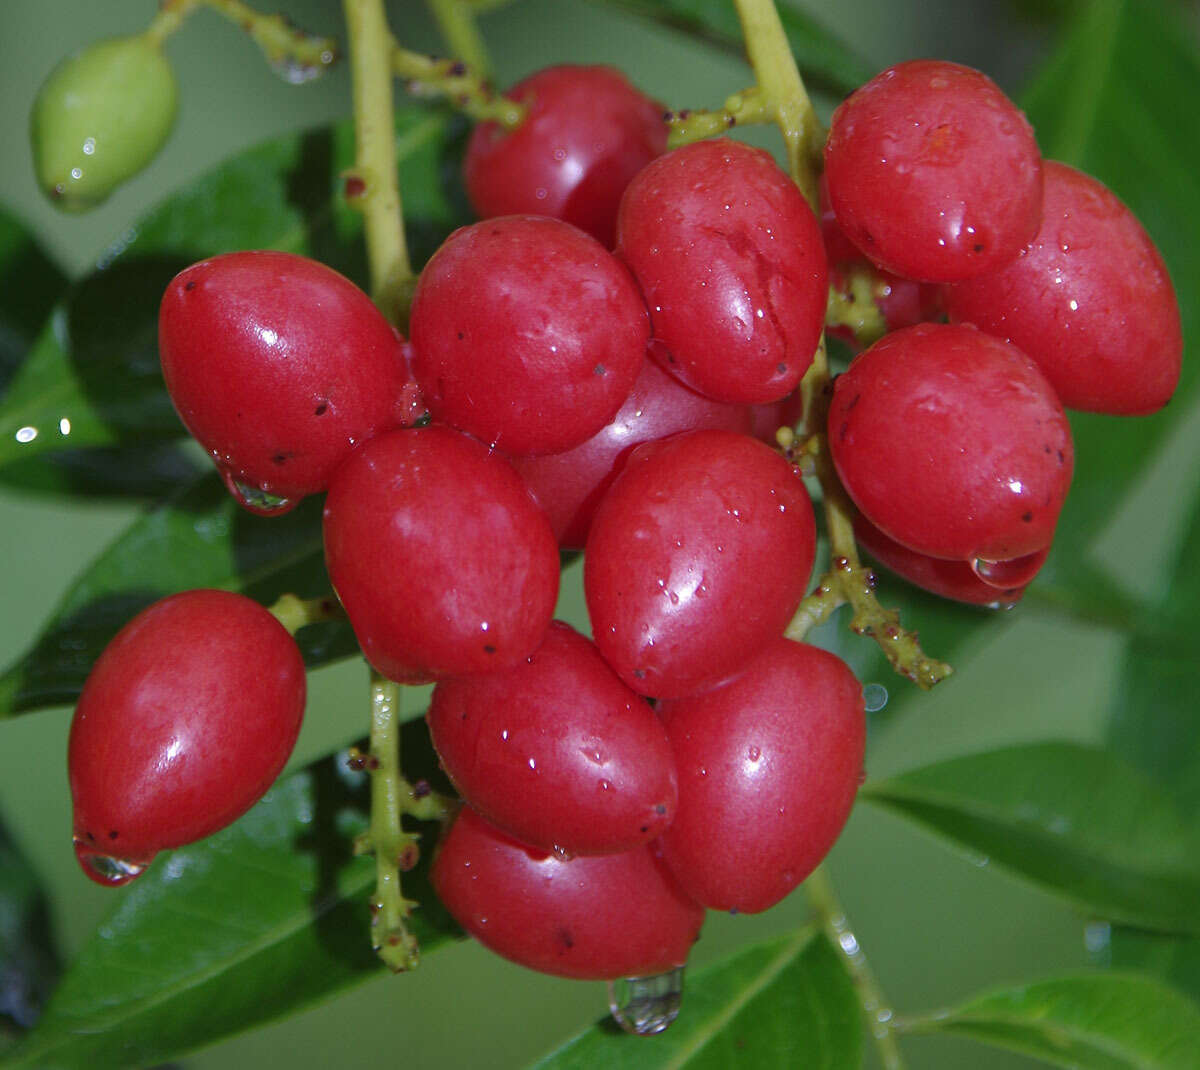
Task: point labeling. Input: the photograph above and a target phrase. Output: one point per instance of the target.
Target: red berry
(586, 133)
(570, 485)
(557, 751)
(697, 559)
(278, 366)
(596, 918)
(185, 720)
(729, 257)
(442, 560)
(527, 333)
(933, 172)
(952, 443)
(949, 579)
(769, 765)
(1090, 301)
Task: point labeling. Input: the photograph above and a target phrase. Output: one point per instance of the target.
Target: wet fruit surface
(696, 560)
(186, 719)
(596, 918)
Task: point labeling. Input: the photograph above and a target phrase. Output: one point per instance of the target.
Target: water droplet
(295, 71)
(255, 499)
(105, 869)
(645, 1006)
(875, 697)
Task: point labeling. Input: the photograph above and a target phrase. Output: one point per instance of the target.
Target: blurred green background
(935, 924)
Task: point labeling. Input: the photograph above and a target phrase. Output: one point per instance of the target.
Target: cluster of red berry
(624, 403)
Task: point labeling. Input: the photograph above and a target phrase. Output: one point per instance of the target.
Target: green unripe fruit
(99, 119)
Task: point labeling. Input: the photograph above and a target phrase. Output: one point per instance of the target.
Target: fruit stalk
(456, 21)
(463, 87)
(822, 897)
(370, 44)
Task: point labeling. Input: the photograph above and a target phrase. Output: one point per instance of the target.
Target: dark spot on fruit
(843, 431)
(781, 367)
(1046, 448)
(1062, 458)
(978, 248)
(463, 716)
(599, 369)
(640, 673)
(190, 284)
(90, 836)
(1027, 517)
(280, 458)
(461, 336)
(488, 648)
(660, 809)
(645, 829)
(112, 835)
(852, 402)
(321, 409)
(564, 937)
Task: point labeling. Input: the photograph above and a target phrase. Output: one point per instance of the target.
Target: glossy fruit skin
(1090, 301)
(933, 172)
(443, 562)
(571, 485)
(99, 118)
(697, 559)
(527, 333)
(184, 722)
(279, 367)
(597, 918)
(585, 134)
(556, 751)
(956, 580)
(729, 257)
(769, 766)
(952, 443)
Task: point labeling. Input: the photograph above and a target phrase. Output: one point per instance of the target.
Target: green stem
(395, 850)
(458, 83)
(282, 43)
(296, 613)
(456, 21)
(370, 43)
(742, 109)
(779, 79)
(822, 897)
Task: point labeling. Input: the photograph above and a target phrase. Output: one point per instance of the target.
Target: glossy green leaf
(1098, 1021)
(788, 1002)
(93, 379)
(30, 283)
(1076, 820)
(28, 957)
(823, 58)
(264, 918)
(199, 538)
(1095, 107)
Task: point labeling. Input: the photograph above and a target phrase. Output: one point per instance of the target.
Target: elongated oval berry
(99, 118)
(596, 918)
(1090, 301)
(952, 443)
(556, 751)
(527, 333)
(949, 579)
(769, 765)
(729, 257)
(443, 562)
(279, 367)
(185, 720)
(571, 485)
(697, 559)
(585, 134)
(933, 172)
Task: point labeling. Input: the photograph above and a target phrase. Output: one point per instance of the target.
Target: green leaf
(1094, 107)
(788, 1002)
(1097, 1021)
(93, 376)
(262, 919)
(29, 285)
(28, 957)
(1076, 820)
(200, 538)
(824, 59)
